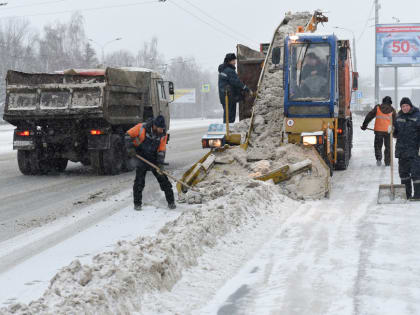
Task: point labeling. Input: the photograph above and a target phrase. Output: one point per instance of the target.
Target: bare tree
(149, 57)
(121, 58)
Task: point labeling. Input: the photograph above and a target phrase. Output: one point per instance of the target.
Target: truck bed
(117, 97)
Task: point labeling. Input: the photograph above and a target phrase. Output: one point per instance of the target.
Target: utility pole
(377, 7)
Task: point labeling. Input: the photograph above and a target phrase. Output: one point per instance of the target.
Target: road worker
(407, 148)
(384, 114)
(229, 81)
(149, 141)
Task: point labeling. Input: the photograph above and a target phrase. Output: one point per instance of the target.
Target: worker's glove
(246, 89)
(390, 129)
(161, 169)
(363, 127)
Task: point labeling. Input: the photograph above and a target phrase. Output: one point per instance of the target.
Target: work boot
(172, 205)
(408, 189)
(416, 192)
(378, 163)
(137, 207)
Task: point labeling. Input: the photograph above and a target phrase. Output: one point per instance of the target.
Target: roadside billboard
(185, 96)
(397, 44)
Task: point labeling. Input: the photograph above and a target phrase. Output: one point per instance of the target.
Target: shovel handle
(166, 173)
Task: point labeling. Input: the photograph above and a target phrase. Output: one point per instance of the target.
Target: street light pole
(103, 47)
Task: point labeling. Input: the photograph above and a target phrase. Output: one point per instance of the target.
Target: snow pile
(234, 167)
(267, 134)
(115, 281)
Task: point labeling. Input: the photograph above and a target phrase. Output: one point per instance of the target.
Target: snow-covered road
(343, 255)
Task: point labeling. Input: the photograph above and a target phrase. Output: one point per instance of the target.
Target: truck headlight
(215, 143)
(309, 140)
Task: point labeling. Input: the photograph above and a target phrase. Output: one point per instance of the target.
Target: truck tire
(59, 164)
(96, 161)
(129, 163)
(24, 163)
(343, 163)
(113, 157)
(30, 164)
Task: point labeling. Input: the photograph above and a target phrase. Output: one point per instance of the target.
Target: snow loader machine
(81, 115)
(315, 103)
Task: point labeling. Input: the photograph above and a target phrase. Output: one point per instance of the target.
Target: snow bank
(116, 280)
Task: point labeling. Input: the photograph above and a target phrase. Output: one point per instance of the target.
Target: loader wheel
(343, 163)
(113, 157)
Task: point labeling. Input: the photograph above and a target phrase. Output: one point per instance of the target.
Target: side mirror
(171, 88)
(355, 85)
(276, 55)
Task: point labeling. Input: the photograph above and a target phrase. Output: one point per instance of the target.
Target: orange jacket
(382, 121)
(138, 133)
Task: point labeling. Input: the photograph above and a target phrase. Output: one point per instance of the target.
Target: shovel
(165, 173)
(394, 194)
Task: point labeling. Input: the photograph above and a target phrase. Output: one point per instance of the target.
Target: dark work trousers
(409, 170)
(232, 112)
(165, 184)
(380, 139)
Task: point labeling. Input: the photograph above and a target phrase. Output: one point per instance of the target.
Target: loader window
(309, 72)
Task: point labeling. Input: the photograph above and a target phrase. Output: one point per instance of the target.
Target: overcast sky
(198, 32)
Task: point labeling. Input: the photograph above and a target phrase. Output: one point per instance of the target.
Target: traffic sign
(205, 88)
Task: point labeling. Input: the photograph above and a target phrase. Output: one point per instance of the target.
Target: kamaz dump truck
(81, 116)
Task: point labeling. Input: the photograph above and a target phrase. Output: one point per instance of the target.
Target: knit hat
(387, 100)
(406, 100)
(229, 57)
(159, 122)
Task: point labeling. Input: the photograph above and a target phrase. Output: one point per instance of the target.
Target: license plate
(23, 143)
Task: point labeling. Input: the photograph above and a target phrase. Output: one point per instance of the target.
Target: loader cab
(311, 88)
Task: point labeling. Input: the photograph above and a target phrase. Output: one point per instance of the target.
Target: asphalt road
(27, 202)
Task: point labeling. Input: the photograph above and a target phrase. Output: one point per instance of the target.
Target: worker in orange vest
(149, 141)
(384, 115)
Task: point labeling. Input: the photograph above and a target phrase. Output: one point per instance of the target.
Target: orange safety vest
(382, 121)
(138, 133)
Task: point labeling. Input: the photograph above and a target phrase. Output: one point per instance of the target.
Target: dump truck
(81, 116)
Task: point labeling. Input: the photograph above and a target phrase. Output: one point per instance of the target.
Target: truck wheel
(23, 157)
(59, 165)
(96, 160)
(129, 163)
(114, 156)
(343, 163)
